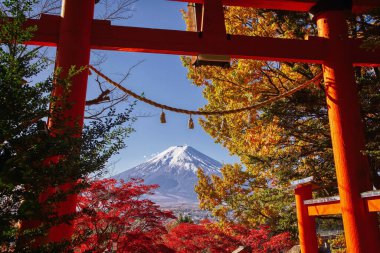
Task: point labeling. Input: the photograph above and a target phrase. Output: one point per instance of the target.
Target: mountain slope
(174, 170)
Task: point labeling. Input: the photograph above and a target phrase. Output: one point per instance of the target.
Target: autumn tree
(116, 215)
(286, 140)
(210, 237)
(187, 237)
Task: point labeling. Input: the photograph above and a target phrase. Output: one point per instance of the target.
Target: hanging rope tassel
(163, 117)
(224, 125)
(191, 123)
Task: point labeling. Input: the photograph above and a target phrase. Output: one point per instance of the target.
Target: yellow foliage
(277, 143)
(338, 244)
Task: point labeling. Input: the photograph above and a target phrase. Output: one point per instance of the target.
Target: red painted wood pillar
(73, 49)
(306, 224)
(361, 227)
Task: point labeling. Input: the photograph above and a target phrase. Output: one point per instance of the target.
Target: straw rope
(316, 79)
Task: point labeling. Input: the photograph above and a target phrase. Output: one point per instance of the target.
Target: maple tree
(187, 237)
(263, 240)
(209, 237)
(284, 141)
(115, 215)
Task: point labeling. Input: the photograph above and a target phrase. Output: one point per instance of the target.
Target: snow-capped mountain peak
(187, 158)
(174, 170)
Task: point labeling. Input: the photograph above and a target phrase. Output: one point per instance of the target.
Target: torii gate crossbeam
(75, 33)
(358, 6)
(105, 36)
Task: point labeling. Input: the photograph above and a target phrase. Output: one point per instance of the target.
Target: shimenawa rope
(191, 112)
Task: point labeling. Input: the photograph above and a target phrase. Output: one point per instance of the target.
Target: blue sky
(163, 79)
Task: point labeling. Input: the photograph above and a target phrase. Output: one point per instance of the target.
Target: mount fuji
(175, 171)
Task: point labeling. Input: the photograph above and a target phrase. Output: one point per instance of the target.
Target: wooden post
(361, 228)
(73, 49)
(306, 224)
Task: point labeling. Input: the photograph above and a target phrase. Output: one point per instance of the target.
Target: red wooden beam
(134, 39)
(373, 205)
(324, 209)
(359, 6)
(47, 33)
(213, 19)
(331, 205)
(372, 200)
(323, 206)
(330, 208)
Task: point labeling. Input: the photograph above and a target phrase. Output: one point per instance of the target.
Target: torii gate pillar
(306, 224)
(352, 169)
(73, 49)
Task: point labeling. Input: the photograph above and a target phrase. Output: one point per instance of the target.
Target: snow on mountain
(175, 171)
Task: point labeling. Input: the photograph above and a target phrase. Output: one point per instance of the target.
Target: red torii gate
(75, 33)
